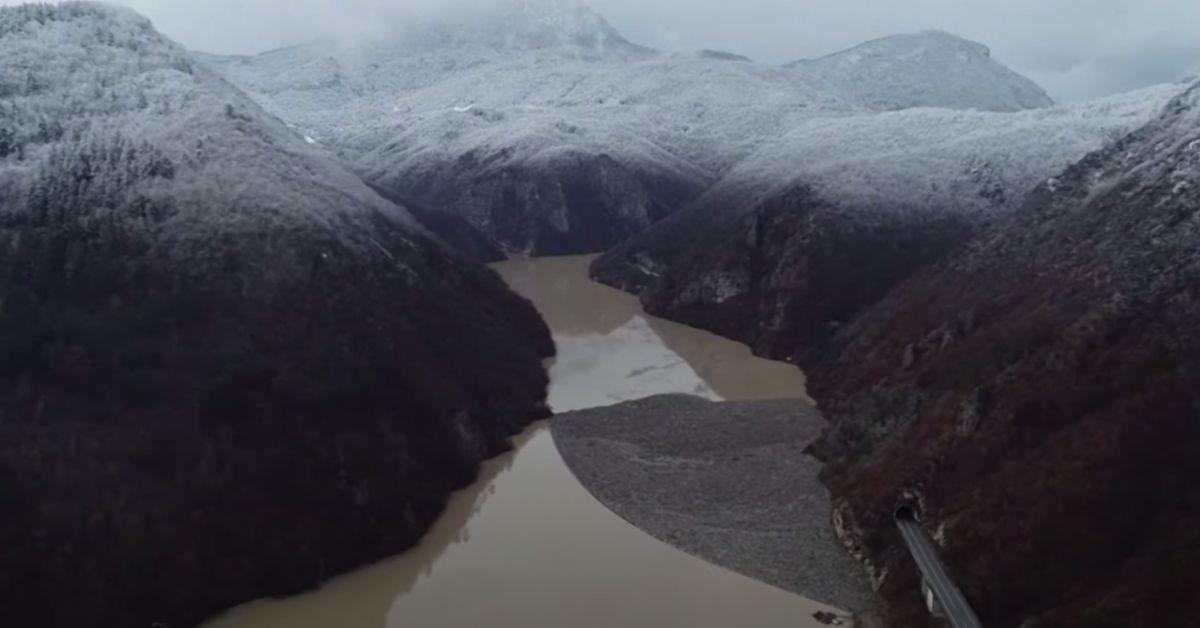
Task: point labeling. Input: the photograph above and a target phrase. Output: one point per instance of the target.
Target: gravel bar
(728, 482)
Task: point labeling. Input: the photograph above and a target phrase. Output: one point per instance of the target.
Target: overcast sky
(1074, 48)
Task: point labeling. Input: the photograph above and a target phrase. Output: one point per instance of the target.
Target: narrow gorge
(490, 314)
(530, 541)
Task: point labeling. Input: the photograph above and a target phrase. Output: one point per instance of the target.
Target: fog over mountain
(1076, 49)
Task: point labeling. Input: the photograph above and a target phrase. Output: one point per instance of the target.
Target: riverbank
(527, 546)
(728, 482)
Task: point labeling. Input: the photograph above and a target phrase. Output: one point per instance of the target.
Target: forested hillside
(1038, 395)
(228, 369)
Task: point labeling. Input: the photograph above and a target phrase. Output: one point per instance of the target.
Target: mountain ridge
(536, 146)
(928, 68)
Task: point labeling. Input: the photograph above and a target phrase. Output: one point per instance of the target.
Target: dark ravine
(573, 202)
(452, 229)
(211, 393)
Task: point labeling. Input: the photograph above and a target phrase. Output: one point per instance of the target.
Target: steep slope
(929, 69)
(228, 369)
(1038, 393)
(824, 220)
(549, 145)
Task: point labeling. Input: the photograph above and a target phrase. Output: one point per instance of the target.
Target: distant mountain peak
(904, 46)
(931, 68)
(931, 39)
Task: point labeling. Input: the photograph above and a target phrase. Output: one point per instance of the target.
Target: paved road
(958, 612)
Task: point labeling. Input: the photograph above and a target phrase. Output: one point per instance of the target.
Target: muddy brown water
(527, 546)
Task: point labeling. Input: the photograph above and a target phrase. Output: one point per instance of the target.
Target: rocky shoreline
(729, 482)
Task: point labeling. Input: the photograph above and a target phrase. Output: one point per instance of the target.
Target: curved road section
(949, 599)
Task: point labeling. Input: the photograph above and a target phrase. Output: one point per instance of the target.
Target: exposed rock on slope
(929, 69)
(543, 139)
(228, 369)
(1039, 391)
(821, 222)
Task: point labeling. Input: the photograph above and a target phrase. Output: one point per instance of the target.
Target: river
(527, 546)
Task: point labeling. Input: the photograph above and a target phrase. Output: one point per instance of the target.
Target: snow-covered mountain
(538, 123)
(544, 127)
(928, 69)
(822, 221)
(977, 161)
(66, 109)
(199, 308)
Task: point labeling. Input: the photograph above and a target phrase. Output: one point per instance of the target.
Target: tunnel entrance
(907, 512)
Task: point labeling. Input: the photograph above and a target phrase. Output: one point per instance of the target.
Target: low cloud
(1075, 48)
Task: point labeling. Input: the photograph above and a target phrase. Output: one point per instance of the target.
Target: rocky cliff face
(783, 277)
(228, 369)
(1038, 393)
(522, 196)
(823, 221)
